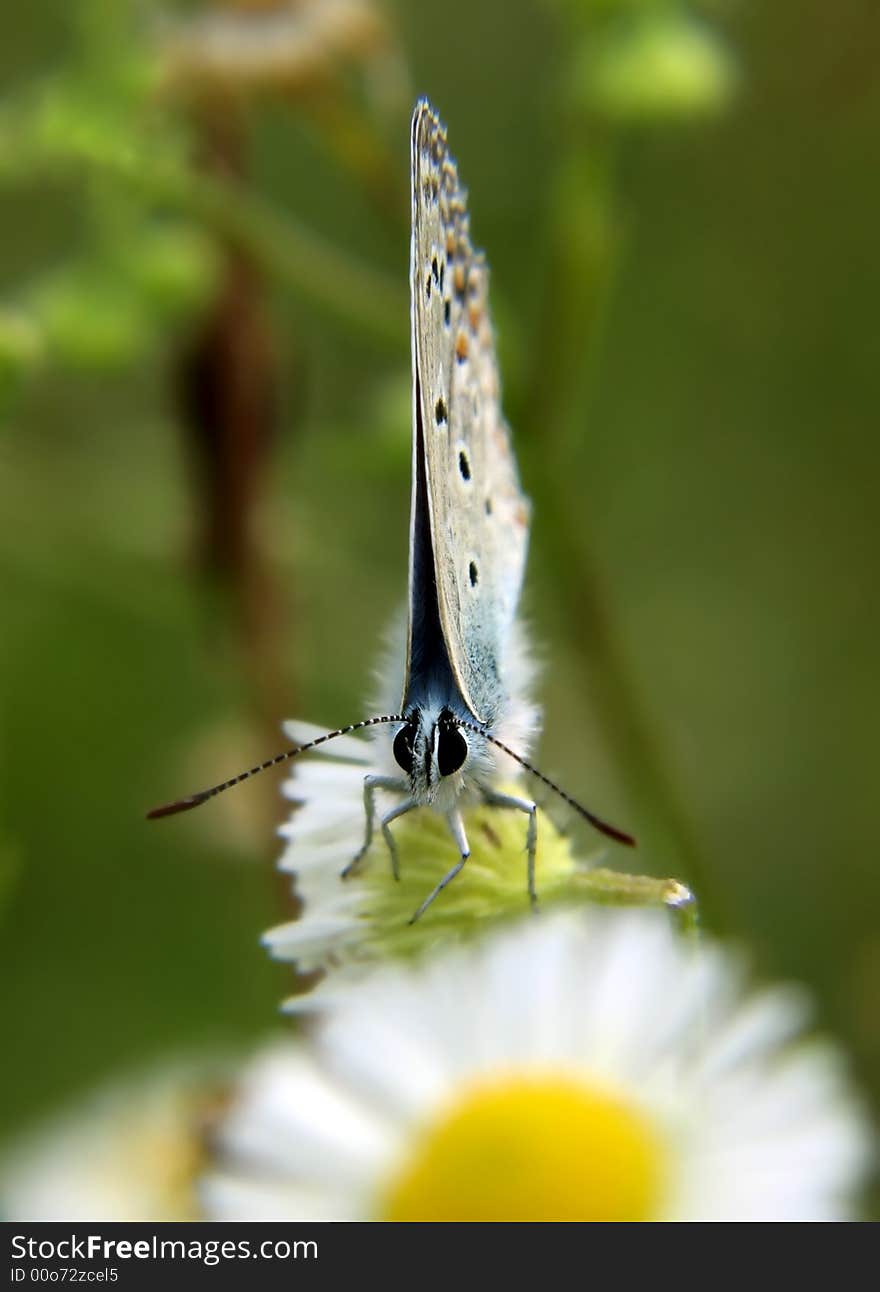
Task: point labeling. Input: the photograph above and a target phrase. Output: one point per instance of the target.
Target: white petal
(294, 1122)
(256, 1197)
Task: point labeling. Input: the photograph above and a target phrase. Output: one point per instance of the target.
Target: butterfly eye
(403, 749)
(452, 750)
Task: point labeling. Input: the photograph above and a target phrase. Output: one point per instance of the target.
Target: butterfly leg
(496, 799)
(400, 810)
(371, 784)
(456, 825)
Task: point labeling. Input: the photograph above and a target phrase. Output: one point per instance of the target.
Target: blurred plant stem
(228, 384)
(584, 244)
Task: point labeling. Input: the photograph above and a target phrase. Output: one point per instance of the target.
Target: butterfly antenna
(602, 826)
(195, 800)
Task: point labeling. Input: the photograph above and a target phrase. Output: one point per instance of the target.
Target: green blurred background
(204, 458)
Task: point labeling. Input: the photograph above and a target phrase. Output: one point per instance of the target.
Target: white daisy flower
(580, 1066)
(349, 924)
(131, 1150)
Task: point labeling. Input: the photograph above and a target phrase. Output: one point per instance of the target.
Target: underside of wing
(478, 517)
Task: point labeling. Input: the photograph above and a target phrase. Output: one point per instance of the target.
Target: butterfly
(465, 719)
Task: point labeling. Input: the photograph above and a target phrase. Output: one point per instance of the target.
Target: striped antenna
(195, 800)
(598, 824)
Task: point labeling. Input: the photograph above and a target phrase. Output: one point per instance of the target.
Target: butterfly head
(433, 751)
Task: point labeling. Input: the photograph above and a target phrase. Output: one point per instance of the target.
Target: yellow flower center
(533, 1147)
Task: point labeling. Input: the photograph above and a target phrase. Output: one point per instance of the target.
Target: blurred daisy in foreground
(583, 1066)
(349, 924)
(130, 1151)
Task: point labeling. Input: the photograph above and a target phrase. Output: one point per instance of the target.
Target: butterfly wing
(464, 472)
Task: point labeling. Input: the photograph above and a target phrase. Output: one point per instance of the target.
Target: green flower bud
(21, 346)
(92, 318)
(658, 67)
(175, 269)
